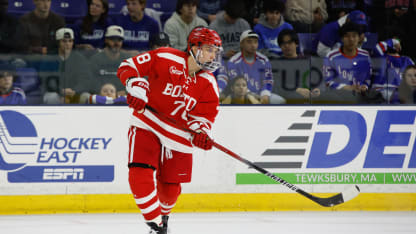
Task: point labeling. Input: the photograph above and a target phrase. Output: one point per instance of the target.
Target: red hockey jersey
(191, 101)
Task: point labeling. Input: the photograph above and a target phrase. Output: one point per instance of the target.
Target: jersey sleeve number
(143, 58)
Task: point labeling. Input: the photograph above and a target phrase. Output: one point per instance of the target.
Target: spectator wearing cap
(254, 67)
(10, 95)
(36, 30)
(159, 40)
(138, 27)
(229, 24)
(66, 74)
(89, 31)
(105, 63)
(269, 26)
(328, 37)
(181, 23)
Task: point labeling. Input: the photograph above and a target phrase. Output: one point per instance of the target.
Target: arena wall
(72, 159)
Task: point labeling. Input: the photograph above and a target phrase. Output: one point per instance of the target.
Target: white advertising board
(83, 149)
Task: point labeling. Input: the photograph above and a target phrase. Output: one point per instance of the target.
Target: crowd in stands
(275, 51)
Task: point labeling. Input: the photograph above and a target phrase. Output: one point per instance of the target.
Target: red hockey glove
(137, 90)
(135, 103)
(202, 140)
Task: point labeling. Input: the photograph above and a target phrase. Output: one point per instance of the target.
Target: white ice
(217, 223)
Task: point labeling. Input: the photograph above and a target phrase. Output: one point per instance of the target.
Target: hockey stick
(350, 193)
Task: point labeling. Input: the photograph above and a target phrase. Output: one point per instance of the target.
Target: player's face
(288, 46)
(6, 82)
(273, 17)
(96, 8)
(240, 87)
(42, 5)
(350, 40)
(250, 45)
(108, 90)
(134, 7)
(410, 77)
(208, 53)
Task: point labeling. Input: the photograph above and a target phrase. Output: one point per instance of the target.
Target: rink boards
(73, 159)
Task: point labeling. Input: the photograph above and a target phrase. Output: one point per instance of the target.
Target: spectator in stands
(253, 66)
(37, 28)
(67, 74)
(253, 10)
(348, 68)
(395, 18)
(159, 40)
(105, 63)
(107, 95)
(208, 9)
(288, 40)
(89, 31)
(269, 26)
(10, 95)
(389, 67)
(138, 27)
(7, 29)
(180, 24)
(306, 16)
(328, 38)
(230, 25)
(407, 88)
(240, 93)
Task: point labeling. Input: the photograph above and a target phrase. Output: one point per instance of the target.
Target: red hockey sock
(168, 194)
(145, 194)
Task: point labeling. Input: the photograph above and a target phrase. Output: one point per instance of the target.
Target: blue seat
(115, 6)
(71, 10)
(167, 6)
(20, 7)
(306, 42)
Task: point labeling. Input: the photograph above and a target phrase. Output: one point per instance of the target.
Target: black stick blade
(350, 193)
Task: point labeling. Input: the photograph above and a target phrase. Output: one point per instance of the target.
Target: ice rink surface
(217, 223)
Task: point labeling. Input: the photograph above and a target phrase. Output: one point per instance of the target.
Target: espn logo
(63, 174)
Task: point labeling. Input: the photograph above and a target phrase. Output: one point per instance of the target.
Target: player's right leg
(144, 156)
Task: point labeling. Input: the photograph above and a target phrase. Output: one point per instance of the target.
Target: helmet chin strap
(195, 57)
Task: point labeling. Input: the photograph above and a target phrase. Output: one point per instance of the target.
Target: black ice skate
(156, 229)
(165, 219)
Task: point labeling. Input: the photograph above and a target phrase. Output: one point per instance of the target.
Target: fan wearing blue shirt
(349, 67)
(138, 27)
(269, 26)
(10, 95)
(328, 38)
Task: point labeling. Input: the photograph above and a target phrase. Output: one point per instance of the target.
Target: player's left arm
(202, 116)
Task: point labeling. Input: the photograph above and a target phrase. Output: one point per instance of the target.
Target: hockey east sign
(28, 154)
(339, 145)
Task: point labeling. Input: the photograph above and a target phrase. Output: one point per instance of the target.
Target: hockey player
(179, 85)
